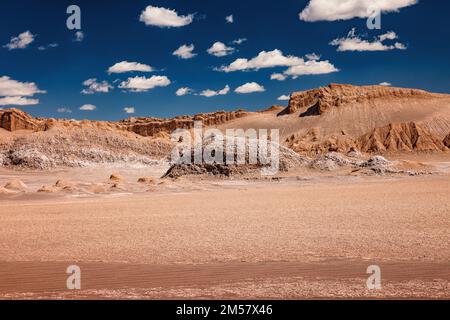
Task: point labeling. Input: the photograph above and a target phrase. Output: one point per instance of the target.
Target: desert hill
(317, 101)
(335, 118)
(400, 137)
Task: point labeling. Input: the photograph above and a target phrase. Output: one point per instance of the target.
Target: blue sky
(114, 32)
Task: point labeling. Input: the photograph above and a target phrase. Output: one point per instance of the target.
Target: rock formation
(372, 119)
(400, 137)
(313, 143)
(154, 126)
(447, 141)
(317, 101)
(14, 119)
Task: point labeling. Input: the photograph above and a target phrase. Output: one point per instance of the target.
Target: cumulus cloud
(354, 42)
(265, 59)
(310, 67)
(270, 59)
(18, 101)
(278, 76)
(88, 107)
(183, 91)
(13, 92)
(185, 51)
(250, 87)
(239, 41)
(219, 49)
(93, 86)
(125, 66)
(332, 10)
(229, 19)
(164, 18)
(10, 87)
(79, 36)
(386, 84)
(143, 84)
(211, 93)
(129, 110)
(63, 110)
(283, 98)
(22, 41)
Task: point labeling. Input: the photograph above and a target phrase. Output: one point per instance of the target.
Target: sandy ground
(294, 238)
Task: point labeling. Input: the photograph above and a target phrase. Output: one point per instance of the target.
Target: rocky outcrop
(400, 137)
(313, 143)
(317, 101)
(251, 161)
(447, 141)
(154, 126)
(274, 108)
(14, 119)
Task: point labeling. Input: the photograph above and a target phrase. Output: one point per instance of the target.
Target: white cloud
(219, 49)
(64, 110)
(22, 41)
(183, 91)
(310, 67)
(239, 41)
(18, 101)
(125, 66)
(48, 46)
(265, 59)
(278, 76)
(13, 92)
(129, 110)
(211, 93)
(164, 18)
(10, 87)
(354, 42)
(79, 36)
(250, 87)
(229, 19)
(88, 107)
(96, 87)
(391, 35)
(313, 56)
(271, 59)
(331, 10)
(386, 84)
(283, 98)
(185, 51)
(143, 84)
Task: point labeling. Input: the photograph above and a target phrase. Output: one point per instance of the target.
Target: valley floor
(288, 239)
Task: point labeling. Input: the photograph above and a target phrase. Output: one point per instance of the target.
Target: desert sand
(294, 238)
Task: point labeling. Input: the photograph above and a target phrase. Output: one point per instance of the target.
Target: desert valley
(364, 180)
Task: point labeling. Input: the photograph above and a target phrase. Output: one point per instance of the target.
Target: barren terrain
(365, 181)
(295, 238)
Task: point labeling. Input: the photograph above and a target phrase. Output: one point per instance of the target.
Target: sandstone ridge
(153, 126)
(15, 120)
(317, 101)
(395, 137)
